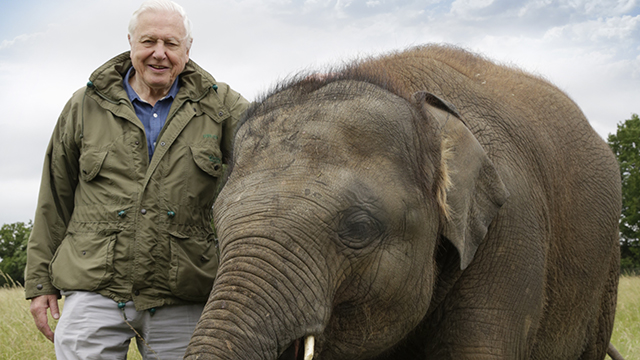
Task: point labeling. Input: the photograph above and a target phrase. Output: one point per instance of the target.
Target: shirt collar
(134, 96)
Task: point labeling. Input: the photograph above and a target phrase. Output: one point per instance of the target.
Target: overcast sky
(588, 48)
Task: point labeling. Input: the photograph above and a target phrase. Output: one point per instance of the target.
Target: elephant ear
(471, 191)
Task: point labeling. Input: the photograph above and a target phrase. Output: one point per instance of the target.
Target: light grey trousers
(92, 327)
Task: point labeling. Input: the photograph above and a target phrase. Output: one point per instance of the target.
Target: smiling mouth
(158, 67)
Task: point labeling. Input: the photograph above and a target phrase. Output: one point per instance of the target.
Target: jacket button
(163, 143)
(39, 286)
(121, 213)
(137, 142)
(136, 293)
(143, 211)
(171, 214)
(220, 113)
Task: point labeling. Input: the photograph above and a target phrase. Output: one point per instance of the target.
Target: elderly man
(122, 227)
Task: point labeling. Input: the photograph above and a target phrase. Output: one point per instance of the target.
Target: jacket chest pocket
(106, 174)
(208, 159)
(201, 178)
(91, 163)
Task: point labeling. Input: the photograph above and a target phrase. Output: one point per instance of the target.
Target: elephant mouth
(296, 351)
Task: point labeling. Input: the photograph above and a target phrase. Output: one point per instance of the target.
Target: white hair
(161, 5)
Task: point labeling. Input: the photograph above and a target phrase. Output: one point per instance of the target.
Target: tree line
(625, 144)
(13, 252)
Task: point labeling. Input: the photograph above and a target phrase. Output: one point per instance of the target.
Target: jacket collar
(195, 82)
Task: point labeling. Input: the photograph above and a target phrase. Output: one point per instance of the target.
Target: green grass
(626, 329)
(19, 338)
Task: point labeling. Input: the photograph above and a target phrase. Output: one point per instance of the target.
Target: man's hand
(39, 306)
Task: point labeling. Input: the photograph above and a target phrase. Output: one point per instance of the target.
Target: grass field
(626, 329)
(19, 338)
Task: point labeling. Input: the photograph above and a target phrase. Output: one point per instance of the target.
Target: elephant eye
(359, 228)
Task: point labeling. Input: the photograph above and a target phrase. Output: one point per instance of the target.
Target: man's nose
(159, 50)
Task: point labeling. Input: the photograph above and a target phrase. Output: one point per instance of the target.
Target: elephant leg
(489, 333)
(489, 314)
(598, 342)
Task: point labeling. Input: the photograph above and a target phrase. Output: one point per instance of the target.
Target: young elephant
(428, 204)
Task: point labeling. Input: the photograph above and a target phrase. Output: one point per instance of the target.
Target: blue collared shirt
(152, 117)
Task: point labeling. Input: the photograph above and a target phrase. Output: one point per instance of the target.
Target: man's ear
(130, 46)
(188, 46)
(473, 191)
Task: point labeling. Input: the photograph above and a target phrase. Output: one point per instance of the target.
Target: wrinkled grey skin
(423, 205)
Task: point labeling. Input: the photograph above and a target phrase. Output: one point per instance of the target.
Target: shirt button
(143, 211)
(155, 115)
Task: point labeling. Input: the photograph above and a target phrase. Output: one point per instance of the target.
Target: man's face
(159, 50)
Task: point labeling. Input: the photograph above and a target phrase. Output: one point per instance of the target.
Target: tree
(626, 145)
(13, 251)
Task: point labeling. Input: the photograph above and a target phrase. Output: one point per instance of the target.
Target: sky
(588, 48)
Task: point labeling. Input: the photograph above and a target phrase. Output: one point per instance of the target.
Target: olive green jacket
(110, 221)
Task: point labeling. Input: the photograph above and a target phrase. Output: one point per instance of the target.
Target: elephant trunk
(251, 314)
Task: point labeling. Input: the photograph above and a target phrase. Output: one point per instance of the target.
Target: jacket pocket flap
(90, 164)
(208, 160)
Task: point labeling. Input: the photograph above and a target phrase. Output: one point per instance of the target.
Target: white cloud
(468, 8)
(619, 28)
(533, 6)
(20, 38)
(600, 7)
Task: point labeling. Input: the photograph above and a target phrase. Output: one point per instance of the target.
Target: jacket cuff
(38, 287)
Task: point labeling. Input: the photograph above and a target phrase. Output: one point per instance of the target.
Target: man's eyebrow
(152, 37)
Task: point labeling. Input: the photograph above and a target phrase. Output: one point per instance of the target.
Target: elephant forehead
(362, 109)
(334, 123)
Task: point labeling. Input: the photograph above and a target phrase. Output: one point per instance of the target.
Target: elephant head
(341, 192)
